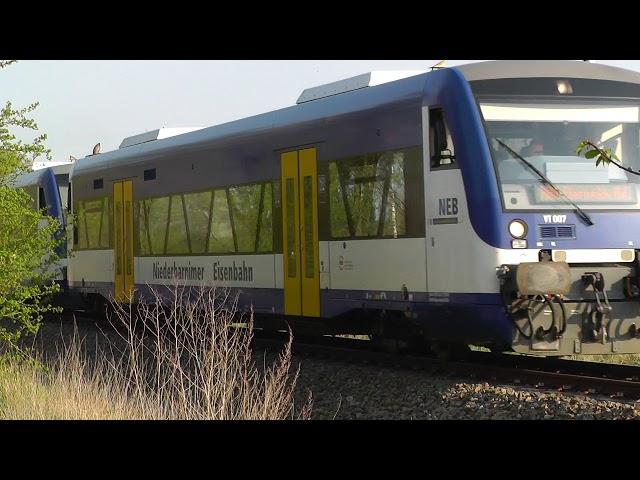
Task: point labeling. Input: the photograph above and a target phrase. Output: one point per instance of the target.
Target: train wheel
(390, 332)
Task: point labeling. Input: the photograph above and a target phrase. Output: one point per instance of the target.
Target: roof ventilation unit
(369, 79)
(157, 134)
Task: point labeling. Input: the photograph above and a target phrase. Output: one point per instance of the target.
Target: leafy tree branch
(603, 155)
(27, 238)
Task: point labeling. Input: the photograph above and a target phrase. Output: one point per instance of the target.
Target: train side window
(251, 217)
(221, 231)
(33, 196)
(153, 219)
(245, 208)
(42, 203)
(441, 148)
(94, 224)
(264, 235)
(238, 219)
(198, 206)
(81, 236)
(177, 235)
(369, 194)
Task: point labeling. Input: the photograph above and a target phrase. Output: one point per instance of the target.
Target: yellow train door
(300, 233)
(123, 233)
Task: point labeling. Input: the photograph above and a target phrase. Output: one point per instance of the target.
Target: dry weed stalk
(182, 360)
(188, 359)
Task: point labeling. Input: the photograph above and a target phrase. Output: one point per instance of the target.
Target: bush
(26, 265)
(25, 243)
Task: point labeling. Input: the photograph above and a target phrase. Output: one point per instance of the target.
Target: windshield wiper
(578, 211)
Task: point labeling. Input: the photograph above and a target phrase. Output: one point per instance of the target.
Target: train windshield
(546, 135)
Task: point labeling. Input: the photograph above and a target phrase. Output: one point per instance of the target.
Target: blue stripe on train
(47, 182)
(466, 317)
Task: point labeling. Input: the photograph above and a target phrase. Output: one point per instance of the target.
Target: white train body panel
(91, 266)
(251, 271)
(382, 265)
(254, 271)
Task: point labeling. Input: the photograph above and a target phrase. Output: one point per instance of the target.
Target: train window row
(368, 198)
(368, 194)
(230, 220)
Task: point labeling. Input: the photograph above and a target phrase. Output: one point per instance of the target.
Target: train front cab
(42, 187)
(567, 279)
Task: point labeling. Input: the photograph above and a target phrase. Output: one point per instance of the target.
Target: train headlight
(518, 229)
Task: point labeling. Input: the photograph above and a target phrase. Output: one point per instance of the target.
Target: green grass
(28, 392)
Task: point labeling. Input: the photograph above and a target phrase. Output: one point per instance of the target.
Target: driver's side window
(442, 152)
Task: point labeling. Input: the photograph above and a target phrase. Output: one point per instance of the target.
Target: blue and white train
(48, 188)
(448, 206)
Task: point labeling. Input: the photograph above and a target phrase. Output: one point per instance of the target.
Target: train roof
(546, 68)
(157, 134)
(359, 98)
(240, 130)
(33, 178)
(61, 168)
(30, 178)
(369, 79)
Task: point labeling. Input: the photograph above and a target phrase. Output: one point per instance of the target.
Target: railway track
(548, 373)
(615, 380)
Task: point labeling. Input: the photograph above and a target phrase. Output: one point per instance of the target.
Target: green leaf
(591, 154)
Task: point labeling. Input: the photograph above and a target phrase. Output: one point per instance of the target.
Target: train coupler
(598, 318)
(531, 291)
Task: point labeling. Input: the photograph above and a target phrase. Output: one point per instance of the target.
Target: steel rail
(566, 375)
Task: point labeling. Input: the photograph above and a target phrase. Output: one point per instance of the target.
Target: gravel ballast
(343, 390)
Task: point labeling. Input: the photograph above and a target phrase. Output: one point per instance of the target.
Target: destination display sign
(588, 193)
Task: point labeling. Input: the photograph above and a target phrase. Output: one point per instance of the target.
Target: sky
(85, 102)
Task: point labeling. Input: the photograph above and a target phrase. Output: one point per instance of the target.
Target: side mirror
(446, 154)
(441, 153)
(446, 157)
